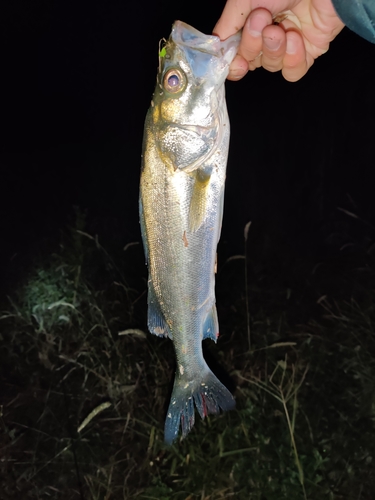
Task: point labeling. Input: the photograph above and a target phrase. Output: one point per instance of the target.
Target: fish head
(188, 107)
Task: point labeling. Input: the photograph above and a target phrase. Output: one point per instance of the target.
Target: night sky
(78, 81)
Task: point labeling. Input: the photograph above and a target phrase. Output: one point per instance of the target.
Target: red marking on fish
(185, 240)
(205, 412)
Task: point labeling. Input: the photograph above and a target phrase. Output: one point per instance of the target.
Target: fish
(184, 157)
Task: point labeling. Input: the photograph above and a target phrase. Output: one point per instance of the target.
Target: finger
(236, 12)
(296, 62)
(256, 63)
(238, 68)
(251, 41)
(274, 46)
(232, 18)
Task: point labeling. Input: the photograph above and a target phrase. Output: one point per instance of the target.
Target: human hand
(305, 29)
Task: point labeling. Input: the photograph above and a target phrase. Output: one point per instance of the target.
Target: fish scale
(185, 148)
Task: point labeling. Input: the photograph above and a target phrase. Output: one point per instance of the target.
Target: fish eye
(174, 81)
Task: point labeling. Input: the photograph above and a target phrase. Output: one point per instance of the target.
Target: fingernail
(235, 77)
(256, 25)
(290, 46)
(272, 43)
(237, 74)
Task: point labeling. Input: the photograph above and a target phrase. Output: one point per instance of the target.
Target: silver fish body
(185, 148)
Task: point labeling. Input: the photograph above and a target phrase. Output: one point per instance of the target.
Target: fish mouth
(184, 34)
(192, 39)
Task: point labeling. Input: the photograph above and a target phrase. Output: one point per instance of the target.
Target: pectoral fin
(198, 200)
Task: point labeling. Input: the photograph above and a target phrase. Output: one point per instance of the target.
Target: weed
(85, 388)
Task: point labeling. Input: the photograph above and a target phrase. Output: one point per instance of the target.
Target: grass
(85, 388)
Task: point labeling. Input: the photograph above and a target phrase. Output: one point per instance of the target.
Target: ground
(85, 387)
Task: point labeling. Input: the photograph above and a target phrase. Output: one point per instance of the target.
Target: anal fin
(155, 319)
(211, 325)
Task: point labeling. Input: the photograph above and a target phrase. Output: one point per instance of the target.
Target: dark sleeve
(358, 15)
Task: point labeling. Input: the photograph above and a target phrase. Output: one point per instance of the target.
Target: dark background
(77, 81)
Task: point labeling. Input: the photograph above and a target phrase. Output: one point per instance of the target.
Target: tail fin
(209, 396)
